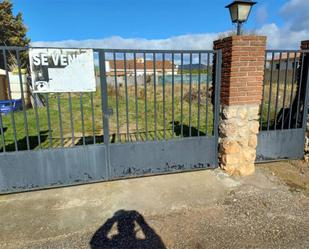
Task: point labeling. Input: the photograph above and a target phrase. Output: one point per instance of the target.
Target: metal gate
(154, 112)
(284, 105)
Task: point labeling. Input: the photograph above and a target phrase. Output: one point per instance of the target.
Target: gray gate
(153, 112)
(284, 106)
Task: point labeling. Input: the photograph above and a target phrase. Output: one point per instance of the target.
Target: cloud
(282, 37)
(294, 6)
(277, 38)
(261, 14)
(295, 28)
(288, 36)
(296, 14)
(194, 41)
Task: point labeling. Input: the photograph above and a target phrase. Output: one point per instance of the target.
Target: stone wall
(239, 127)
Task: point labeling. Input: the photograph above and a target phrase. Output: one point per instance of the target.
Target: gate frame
(92, 163)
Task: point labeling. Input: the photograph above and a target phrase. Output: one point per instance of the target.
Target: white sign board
(62, 70)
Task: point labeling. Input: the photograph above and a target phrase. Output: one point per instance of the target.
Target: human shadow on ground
(132, 233)
(186, 130)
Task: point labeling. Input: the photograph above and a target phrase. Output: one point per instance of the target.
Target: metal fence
(166, 123)
(174, 100)
(160, 108)
(284, 105)
(283, 90)
(43, 120)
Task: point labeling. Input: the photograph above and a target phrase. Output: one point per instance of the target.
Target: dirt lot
(196, 210)
(294, 174)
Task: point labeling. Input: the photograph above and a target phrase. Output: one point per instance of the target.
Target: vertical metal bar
(48, 121)
(127, 97)
(23, 100)
(82, 116)
(284, 91)
(92, 118)
(299, 88)
(145, 95)
(2, 133)
(277, 93)
(104, 102)
(263, 94)
(199, 94)
(270, 89)
(190, 96)
(71, 119)
(216, 106)
(117, 97)
(60, 119)
(37, 119)
(207, 91)
(292, 89)
(173, 95)
(155, 94)
(181, 95)
(305, 109)
(136, 98)
(163, 86)
(10, 98)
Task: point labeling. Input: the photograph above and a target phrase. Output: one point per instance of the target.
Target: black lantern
(240, 11)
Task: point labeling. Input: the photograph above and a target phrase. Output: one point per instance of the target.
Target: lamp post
(240, 11)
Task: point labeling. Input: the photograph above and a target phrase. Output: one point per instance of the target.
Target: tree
(12, 32)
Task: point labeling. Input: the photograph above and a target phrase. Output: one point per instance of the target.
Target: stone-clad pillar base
(239, 127)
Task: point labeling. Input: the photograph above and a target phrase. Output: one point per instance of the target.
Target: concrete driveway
(203, 209)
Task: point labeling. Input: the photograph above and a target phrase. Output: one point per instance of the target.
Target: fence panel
(153, 111)
(284, 105)
(163, 113)
(157, 96)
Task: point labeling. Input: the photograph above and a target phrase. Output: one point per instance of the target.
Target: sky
(157, 24)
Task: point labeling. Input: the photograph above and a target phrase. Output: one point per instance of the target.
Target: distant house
(283, 63)
(120, 68)
(193, 66)
(14, 86)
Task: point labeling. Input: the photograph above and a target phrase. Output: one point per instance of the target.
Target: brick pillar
(241, 94)
(305, 46)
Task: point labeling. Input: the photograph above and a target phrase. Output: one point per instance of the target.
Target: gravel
(248, 217)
